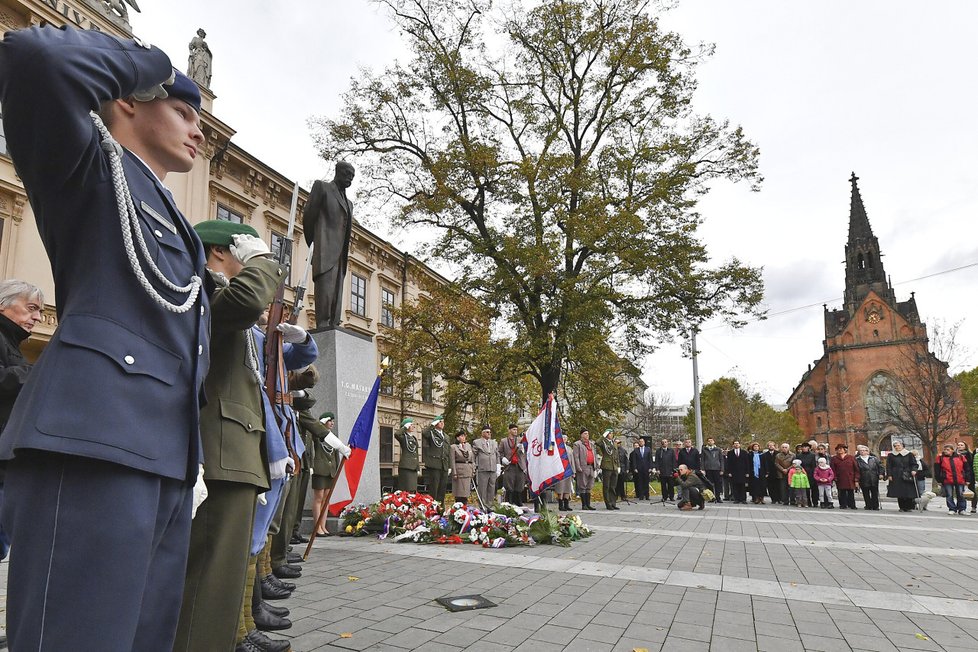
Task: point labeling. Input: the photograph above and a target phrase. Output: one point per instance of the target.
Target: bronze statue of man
(327, 222)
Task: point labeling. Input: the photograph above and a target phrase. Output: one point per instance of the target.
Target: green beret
(219, 232)
(607, 432)
(406, 421)
(440, 417)
(326, 415)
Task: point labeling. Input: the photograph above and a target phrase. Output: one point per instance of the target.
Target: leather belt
(280, 399)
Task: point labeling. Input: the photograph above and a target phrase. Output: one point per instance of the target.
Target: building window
(358, 295)
(278, 242)
(427, 386)
(225, 213)
(387, 383)
(386, 445)
(386, 307)
(882, 399)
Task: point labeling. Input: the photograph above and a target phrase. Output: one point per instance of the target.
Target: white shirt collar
(158, 180)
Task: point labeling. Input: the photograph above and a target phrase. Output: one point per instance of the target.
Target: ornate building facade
(229, 183)
(847, 396)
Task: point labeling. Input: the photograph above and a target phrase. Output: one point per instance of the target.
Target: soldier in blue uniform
(103, 443)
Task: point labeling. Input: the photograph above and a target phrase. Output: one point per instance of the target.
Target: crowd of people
(806, 475)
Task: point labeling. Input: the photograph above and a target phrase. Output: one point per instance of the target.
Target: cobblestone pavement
(728, 578)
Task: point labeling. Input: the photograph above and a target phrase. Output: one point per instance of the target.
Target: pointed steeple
(864, 268)
(859, 227)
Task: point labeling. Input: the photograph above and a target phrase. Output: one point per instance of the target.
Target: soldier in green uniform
(325, 465)
(302, 402)
(609, 468)
(408, 467)
(243, 278)
(437, 454)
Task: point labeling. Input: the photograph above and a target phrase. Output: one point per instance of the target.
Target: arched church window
(860, 262)
(869, 260)
(882, 398)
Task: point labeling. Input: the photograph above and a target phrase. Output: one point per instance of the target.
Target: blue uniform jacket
(295, 356)
(121, 378)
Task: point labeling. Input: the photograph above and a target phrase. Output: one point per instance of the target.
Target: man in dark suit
(640, 462)
(103, 442)
(328, 221)
(738, 469)
(690, 456)
(666, 463)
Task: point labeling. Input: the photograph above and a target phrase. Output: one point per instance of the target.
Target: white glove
(334, 442)
(261, 499)
(245, 247)
(200, 492)
(292, 334)
(279, 468)
(290, 465)
(156, 92)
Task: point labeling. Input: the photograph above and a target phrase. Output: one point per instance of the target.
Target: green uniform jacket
(436, 457)
(326, 460)
(232, 425)
(409, 450)
(609, 454)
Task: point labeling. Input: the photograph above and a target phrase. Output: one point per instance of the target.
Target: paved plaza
(727, 578)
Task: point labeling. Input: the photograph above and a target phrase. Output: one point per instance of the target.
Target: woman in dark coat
(757, 474)
(846, 476)
(901, 469)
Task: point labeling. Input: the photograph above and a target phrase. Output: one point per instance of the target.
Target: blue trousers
(954, 495)
(101, 551)
(4, 539)
(264, 515)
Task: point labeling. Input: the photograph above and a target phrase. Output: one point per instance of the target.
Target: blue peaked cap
(184, 88)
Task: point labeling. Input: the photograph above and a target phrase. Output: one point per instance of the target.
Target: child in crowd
(824, 477)
(798, 482)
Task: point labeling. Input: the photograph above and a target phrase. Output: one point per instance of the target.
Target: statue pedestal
(348, 367)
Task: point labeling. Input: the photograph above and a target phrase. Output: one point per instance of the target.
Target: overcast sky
(884, 88)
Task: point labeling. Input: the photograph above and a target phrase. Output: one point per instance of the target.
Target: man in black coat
(690, 456)
(738, 470)
(640, 462)
(20, 310)
(808, 462)
(666, 464)
(773, 476)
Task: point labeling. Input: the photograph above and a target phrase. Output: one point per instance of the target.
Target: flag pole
(321, 520)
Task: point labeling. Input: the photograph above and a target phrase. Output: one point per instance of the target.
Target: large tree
(732, 411)
(552, 151)
(921, 397)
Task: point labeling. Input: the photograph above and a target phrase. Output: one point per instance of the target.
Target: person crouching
(690, 489)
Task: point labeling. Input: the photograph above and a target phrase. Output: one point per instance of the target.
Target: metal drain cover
(465, 603)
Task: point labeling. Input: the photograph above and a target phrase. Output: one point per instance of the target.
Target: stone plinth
(348, 367)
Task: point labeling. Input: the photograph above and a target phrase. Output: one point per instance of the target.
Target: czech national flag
(349, 479)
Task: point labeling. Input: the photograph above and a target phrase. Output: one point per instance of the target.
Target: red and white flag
(349, 478)
(546, 453)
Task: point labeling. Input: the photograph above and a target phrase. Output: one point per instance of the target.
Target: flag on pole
(349, 478)
(546, 452)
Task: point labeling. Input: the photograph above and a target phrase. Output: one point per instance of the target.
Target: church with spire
(846, 395)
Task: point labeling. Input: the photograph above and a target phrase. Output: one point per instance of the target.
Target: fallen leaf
(352, 578)
(921, 636)
(346, 635)
(640, 649)
(794, 583)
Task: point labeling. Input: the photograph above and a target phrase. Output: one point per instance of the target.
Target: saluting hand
(245, 247)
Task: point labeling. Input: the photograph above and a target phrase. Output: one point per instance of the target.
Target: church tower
(864, 264)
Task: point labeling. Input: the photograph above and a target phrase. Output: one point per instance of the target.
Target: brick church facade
(843, 397)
